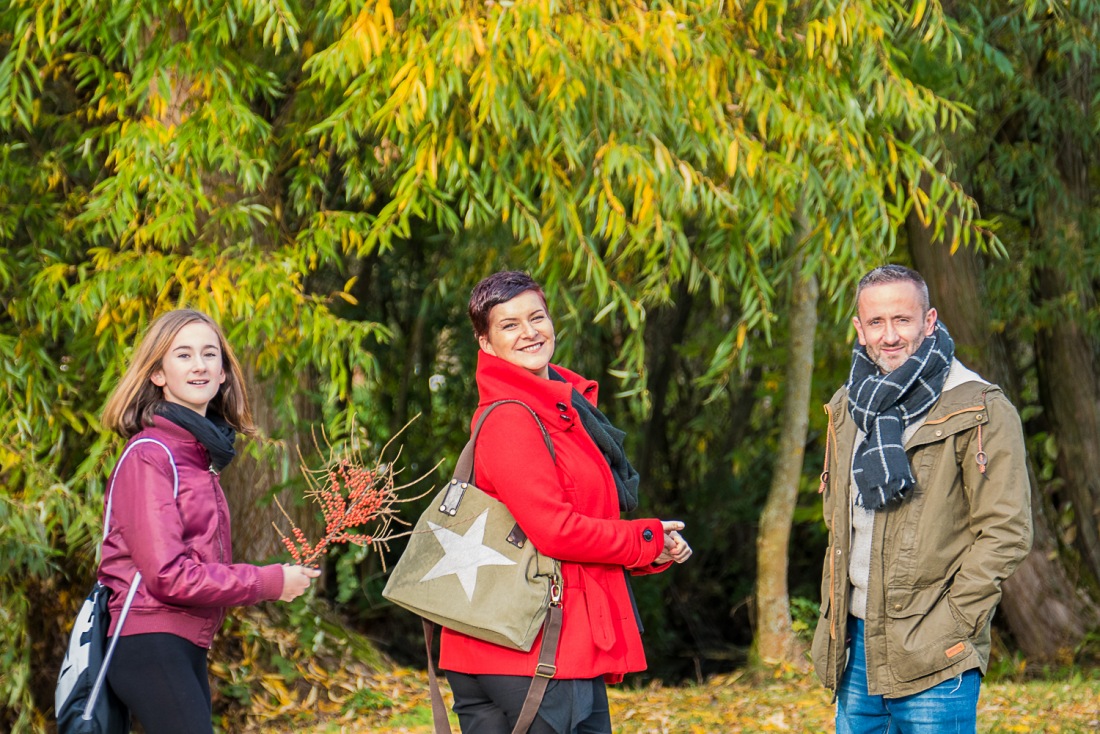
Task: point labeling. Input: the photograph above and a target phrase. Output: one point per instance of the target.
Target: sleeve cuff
(271, 582)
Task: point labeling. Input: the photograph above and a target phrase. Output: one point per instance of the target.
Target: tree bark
(776, 641)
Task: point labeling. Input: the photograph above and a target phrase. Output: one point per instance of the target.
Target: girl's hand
(296, 580)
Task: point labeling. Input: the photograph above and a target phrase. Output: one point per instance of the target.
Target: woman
(568, 507)
(184, 390)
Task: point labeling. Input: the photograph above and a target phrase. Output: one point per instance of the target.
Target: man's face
(892, 322)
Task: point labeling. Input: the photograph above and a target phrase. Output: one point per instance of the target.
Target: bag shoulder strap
(464, 469)
(87, 714)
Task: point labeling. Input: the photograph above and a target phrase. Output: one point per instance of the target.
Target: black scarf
(883, 405)
(609, 440)
(212, 431)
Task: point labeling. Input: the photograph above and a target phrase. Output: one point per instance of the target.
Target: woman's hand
(676, 548)
(296, 580)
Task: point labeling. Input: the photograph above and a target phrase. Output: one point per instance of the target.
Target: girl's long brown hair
(133, 402)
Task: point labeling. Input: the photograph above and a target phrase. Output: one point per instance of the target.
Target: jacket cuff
(651, 541)
(650, 569)
(271, 582)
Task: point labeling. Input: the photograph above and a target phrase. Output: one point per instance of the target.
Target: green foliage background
(329, 179)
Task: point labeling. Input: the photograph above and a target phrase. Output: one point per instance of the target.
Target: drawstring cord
(828, 435)
(981, 459)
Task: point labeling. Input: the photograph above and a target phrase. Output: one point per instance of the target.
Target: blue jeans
(948, 708)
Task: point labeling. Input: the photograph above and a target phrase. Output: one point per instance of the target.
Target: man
(928, 506)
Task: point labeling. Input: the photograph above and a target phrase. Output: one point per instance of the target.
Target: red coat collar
(498, 379)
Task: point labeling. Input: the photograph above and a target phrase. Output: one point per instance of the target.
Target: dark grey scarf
(882, 405)
(213, 431)
(609, 440)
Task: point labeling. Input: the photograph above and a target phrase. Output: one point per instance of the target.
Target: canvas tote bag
(468, 566)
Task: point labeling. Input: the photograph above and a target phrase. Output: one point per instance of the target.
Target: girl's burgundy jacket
(181, 545)
(570, 511)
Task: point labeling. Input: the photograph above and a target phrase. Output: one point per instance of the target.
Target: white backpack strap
(111, 489)
(98, 686)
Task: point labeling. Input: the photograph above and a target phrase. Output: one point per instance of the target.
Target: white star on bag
(463, 555)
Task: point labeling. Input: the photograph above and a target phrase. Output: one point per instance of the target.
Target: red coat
(181, 546)
(570, 511)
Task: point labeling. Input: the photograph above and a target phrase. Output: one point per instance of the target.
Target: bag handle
(464, 470)
(102, 676)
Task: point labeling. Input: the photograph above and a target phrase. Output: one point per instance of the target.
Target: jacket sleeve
(145, 513)
(1000, 514)
(511, 455)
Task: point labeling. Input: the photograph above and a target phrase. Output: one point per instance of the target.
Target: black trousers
(490, 704)
(163, 679)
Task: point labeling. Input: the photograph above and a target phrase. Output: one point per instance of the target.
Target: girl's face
(520, 332)
(191, 373)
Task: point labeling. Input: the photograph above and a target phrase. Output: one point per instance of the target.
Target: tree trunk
(1041, 606)
(249, 480)
(776, 641)
(1068, 386)
(669, 328)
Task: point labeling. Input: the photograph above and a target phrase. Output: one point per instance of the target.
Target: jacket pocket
(923, 634)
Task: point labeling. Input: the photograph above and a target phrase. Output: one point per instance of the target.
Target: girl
(184, 390)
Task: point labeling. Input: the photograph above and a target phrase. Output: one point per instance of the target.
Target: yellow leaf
(478, 38)
(731, 157)
(384, 15)
(918, 11)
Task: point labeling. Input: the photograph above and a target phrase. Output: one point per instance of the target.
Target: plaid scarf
(883, 405)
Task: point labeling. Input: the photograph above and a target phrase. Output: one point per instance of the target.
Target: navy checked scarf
(882, 405)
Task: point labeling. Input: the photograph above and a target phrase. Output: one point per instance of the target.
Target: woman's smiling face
(521, 332)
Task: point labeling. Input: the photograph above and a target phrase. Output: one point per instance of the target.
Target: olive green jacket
(937, 559)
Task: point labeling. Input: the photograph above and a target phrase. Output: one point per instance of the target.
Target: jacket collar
(171, 430)
(498, 379)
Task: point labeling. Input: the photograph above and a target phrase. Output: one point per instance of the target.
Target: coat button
(562, 406)
(565, 417)
(939, 433)
(897, 607)
(647, 534)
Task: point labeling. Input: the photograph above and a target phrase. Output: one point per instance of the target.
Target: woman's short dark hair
(498, 288)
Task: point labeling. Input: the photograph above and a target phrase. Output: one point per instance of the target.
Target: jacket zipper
(217, 512)
(830, 434)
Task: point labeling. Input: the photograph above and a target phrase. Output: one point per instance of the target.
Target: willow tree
(265, 159)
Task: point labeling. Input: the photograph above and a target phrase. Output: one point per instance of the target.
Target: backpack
(81, 704)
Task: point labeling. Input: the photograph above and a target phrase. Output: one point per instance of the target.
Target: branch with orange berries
(357, 498)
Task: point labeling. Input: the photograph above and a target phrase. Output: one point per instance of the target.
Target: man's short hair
(885, 274)
(496, 289)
